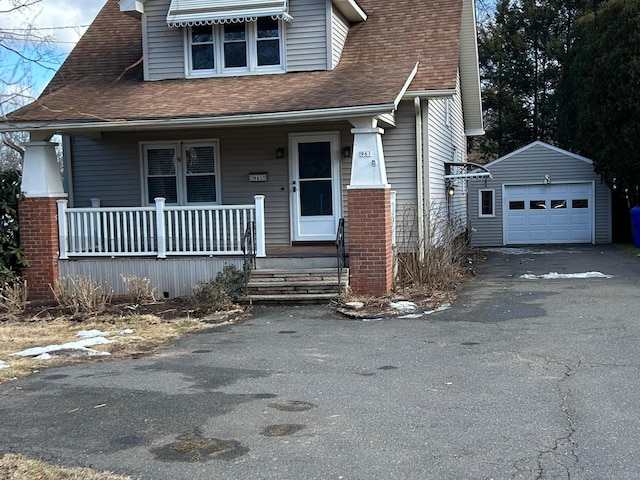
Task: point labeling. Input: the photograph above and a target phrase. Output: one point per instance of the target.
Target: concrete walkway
(520, 379)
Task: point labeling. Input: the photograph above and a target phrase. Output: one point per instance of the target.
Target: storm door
(315, 186)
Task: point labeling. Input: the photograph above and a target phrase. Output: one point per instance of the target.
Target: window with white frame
(233, 48)
(182, 173)
(486, 203)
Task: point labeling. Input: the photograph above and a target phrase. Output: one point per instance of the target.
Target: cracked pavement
(520, 379)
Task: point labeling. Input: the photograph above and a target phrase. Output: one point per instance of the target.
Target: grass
(150, 333)
(19, 467)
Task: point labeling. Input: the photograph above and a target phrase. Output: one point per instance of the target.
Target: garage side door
(556, 213)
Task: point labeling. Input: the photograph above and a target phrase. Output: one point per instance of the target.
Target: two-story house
(194, 130)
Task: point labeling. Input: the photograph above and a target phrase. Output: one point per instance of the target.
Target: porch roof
(101, 82)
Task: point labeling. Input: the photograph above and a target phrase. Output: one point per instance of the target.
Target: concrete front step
(296, 285)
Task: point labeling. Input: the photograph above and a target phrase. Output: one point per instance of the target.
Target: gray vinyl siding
(305, 40)
(306, 36)
(110, 168)
(105, 170)
(164, 49)
(446, 142)
(529, 167)
(339, 32)
(400, 158)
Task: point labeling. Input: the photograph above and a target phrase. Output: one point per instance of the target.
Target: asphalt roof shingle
(102, 77)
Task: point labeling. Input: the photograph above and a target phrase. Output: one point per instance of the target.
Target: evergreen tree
(600, 94)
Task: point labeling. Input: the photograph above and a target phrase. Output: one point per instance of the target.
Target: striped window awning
(184, 13)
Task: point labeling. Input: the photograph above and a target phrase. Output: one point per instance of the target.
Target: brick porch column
(369, 197)
(42, 187)
(370, 246)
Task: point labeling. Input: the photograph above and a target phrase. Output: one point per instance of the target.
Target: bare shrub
(140, 290)
(13, 297)
(82, 295)
(216, 295)
(434, 261)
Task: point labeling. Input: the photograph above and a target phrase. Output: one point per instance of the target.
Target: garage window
(537, 205)
(516, 205)
(486, 203)
(558, 204)
(580, 203)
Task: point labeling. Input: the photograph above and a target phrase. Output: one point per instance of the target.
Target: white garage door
(556, 213)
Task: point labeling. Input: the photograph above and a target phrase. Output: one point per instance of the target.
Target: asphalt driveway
(523, 378)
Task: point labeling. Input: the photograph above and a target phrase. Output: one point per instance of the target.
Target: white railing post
(161, 237)
(261, 250)
(63, 231)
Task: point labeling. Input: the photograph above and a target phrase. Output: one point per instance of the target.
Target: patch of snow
(3, 364)
(555, 275)
(441, 308)
(403, 305)
(87, 342)
(126, 331)
(92, 333)
(72, 353)
(354, 305)
(527, 251)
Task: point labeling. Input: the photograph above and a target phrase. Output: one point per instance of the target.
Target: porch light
(451, 191)
(280, 152)
(346, 152)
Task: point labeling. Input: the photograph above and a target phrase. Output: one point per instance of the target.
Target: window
(537, 205)
(558, 204)
(232, 48)
(516, 205)
(182, 173)
(486, 203)
(580, 203)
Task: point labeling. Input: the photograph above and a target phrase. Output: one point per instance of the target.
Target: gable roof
(101, 84)
(541, 144)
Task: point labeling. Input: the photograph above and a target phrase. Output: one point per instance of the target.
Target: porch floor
(302, 251)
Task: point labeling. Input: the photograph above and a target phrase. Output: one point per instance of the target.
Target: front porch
(176, 247)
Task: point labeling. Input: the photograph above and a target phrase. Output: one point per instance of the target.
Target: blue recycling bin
(635, 225)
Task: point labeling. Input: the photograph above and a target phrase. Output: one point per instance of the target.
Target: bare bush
(140, 290)
(82, 295)
(433, 260)
(13, 297)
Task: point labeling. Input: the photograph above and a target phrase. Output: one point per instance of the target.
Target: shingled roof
(101, 81)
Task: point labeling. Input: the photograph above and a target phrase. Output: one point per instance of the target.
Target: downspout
(420, 178)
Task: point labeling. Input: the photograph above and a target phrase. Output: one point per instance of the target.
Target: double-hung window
(233, 48)
(182, 173)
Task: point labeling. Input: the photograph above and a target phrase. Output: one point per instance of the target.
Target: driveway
(521, 379)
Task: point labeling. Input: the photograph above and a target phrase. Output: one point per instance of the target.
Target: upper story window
(232, 48)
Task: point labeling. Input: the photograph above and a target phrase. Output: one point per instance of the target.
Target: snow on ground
(441, 308)
(527, 251)
(79, 345)
(72, 349)
(3, 364)
(555, 275)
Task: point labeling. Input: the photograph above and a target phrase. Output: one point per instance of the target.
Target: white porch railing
(158, 230)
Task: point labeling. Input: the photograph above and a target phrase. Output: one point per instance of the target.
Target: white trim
(406, 85)
(146, 71)
(339, 113)
(184, 13)
(430, 93)
(351, 10)
(493, 203)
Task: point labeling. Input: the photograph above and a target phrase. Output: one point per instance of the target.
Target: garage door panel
(556, 213)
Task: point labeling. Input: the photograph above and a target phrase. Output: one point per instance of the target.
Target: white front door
(315, 186)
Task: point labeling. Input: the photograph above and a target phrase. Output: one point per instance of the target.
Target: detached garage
(540, 194)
